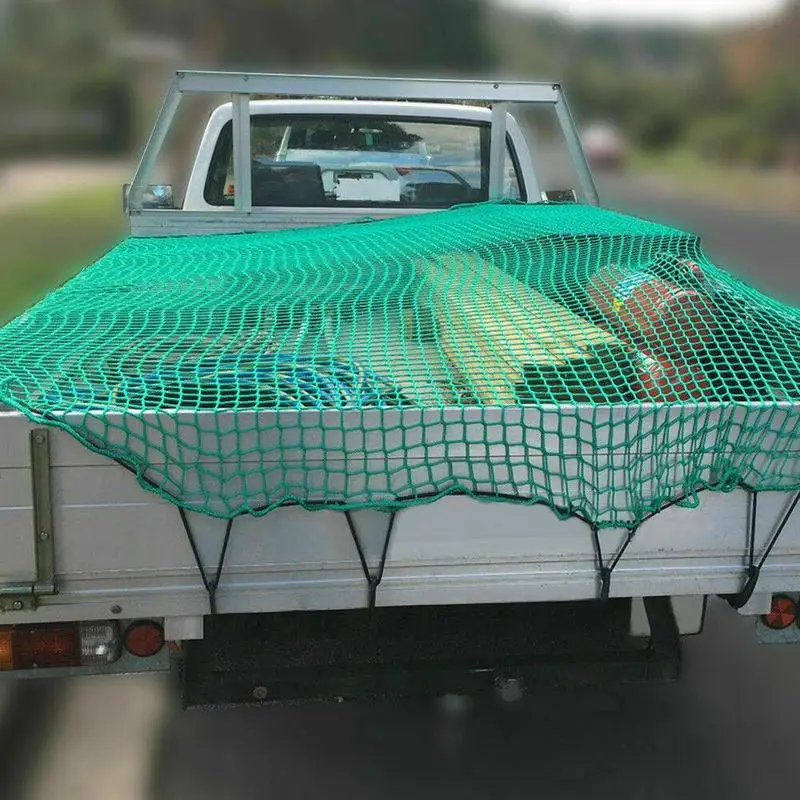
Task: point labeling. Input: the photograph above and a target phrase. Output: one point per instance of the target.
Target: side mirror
(159, 195)
(559, 196)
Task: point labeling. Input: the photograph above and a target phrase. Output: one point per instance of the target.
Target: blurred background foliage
(83, 76)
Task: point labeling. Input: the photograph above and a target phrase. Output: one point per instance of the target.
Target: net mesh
(533, 353)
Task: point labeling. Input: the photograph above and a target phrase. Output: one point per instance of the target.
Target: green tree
(266, 34)
(56, 72)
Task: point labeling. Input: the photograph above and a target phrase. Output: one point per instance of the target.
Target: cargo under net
(541, 353)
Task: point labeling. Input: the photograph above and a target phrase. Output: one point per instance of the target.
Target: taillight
(6, 651)
(59, 645)
(782, 614)
(144, 638)
(100, 643)
(53, 646)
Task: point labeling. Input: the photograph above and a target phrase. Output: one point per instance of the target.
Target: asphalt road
(727, 730)
(24, 708)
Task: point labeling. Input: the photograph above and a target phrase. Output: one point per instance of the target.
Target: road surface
(728, 730)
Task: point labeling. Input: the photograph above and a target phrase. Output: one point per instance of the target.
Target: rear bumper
(348, 655)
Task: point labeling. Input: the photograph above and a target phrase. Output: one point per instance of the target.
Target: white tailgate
(118, 545)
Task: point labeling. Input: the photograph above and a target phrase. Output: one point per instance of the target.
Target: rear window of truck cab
(352, 160)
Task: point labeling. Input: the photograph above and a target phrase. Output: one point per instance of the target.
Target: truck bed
(116, 544)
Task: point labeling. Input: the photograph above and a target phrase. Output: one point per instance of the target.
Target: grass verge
(44, 244)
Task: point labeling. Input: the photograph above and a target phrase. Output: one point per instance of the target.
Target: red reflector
(144, 638)
(783, 613)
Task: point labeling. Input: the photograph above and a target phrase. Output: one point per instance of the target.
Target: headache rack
(243, 86)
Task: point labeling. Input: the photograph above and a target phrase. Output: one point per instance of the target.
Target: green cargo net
(543, 353)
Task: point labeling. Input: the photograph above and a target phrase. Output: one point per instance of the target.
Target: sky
(690, 12)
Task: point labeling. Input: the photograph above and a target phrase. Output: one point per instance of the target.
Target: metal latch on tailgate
(25, 597)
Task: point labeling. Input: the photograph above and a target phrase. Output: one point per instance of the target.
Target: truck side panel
(116, 544)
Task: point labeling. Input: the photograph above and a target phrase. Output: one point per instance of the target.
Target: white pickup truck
(99, 575)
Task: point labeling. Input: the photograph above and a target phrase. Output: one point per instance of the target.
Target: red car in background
(605, 146)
